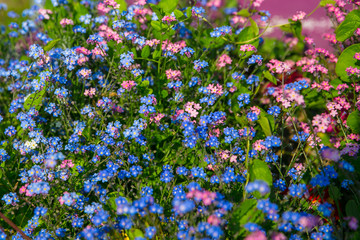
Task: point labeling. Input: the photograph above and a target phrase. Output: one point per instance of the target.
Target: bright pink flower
(300, 15)
(278, 236)
(214, 220)
(128, 85)
(111, 3)
(258, 235)
(168, 19)
(45, 13)
(65, 21)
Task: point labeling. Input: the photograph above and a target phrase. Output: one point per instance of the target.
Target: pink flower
(112, 3)
(168, 19)
(23, 189)
(247, 48)
(61, 201)
(65, 21)
(223, 60)
(233, 158)
(278, 236)
(101, 7)
(278, 66)
(214, 3)
(300, 15)
(214, 220)
(128, 85)
(258, 235)
(257, 3)
(173, 74)
(45, 13)
(308, 222)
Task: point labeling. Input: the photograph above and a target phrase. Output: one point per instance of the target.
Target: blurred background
(315, 26)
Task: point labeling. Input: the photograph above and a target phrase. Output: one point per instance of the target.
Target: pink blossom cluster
(90, 92)
(192, 108)
(173, 47)
(353, 71)
(341, 88)
(128, 85)
(257, 3)
(103, 8)
(300, 15)
(287, 97)
(152, 42)
(336, 11)
(223, 60)
(276, 66)
(173, 74)
(321, 122)
(156, 118)
(45, 13)
(324, 85)
(85, 73)
(247, 48)
(168, 19)
(214, 3)
(65, 21)
(238, 20)
(206, 197)
(338, 104)
(357, 56)
(83, 53)
(330, 37)
(67, 163)
(111, 3)
(215, 89)
(258, 146)
(107, 33)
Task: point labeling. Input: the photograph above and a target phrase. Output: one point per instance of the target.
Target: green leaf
(293, 27)
(133, 50)
(156, 9)
(265, 124)
(168, 5)
(270, 77)
(112, 197)
(243, 13)
(246, 212)
(335, 192)
(164, 93)
(156, 54)
(352, 209)
(80, 9)
(144, 83)
(323, 3)
(188, 12)
(51, 44)
(179, 15)
(123, 5)
(347, 28)
(156, 25)
(145, 52)
(259, 170)
(254, 26)
(134, 233)
(353, 121)
(246, 34)
(34, 100)
(346, 60)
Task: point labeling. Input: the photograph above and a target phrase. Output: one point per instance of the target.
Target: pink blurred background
(315, 26)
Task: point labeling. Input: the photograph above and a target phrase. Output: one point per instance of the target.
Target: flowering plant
(160, 120)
